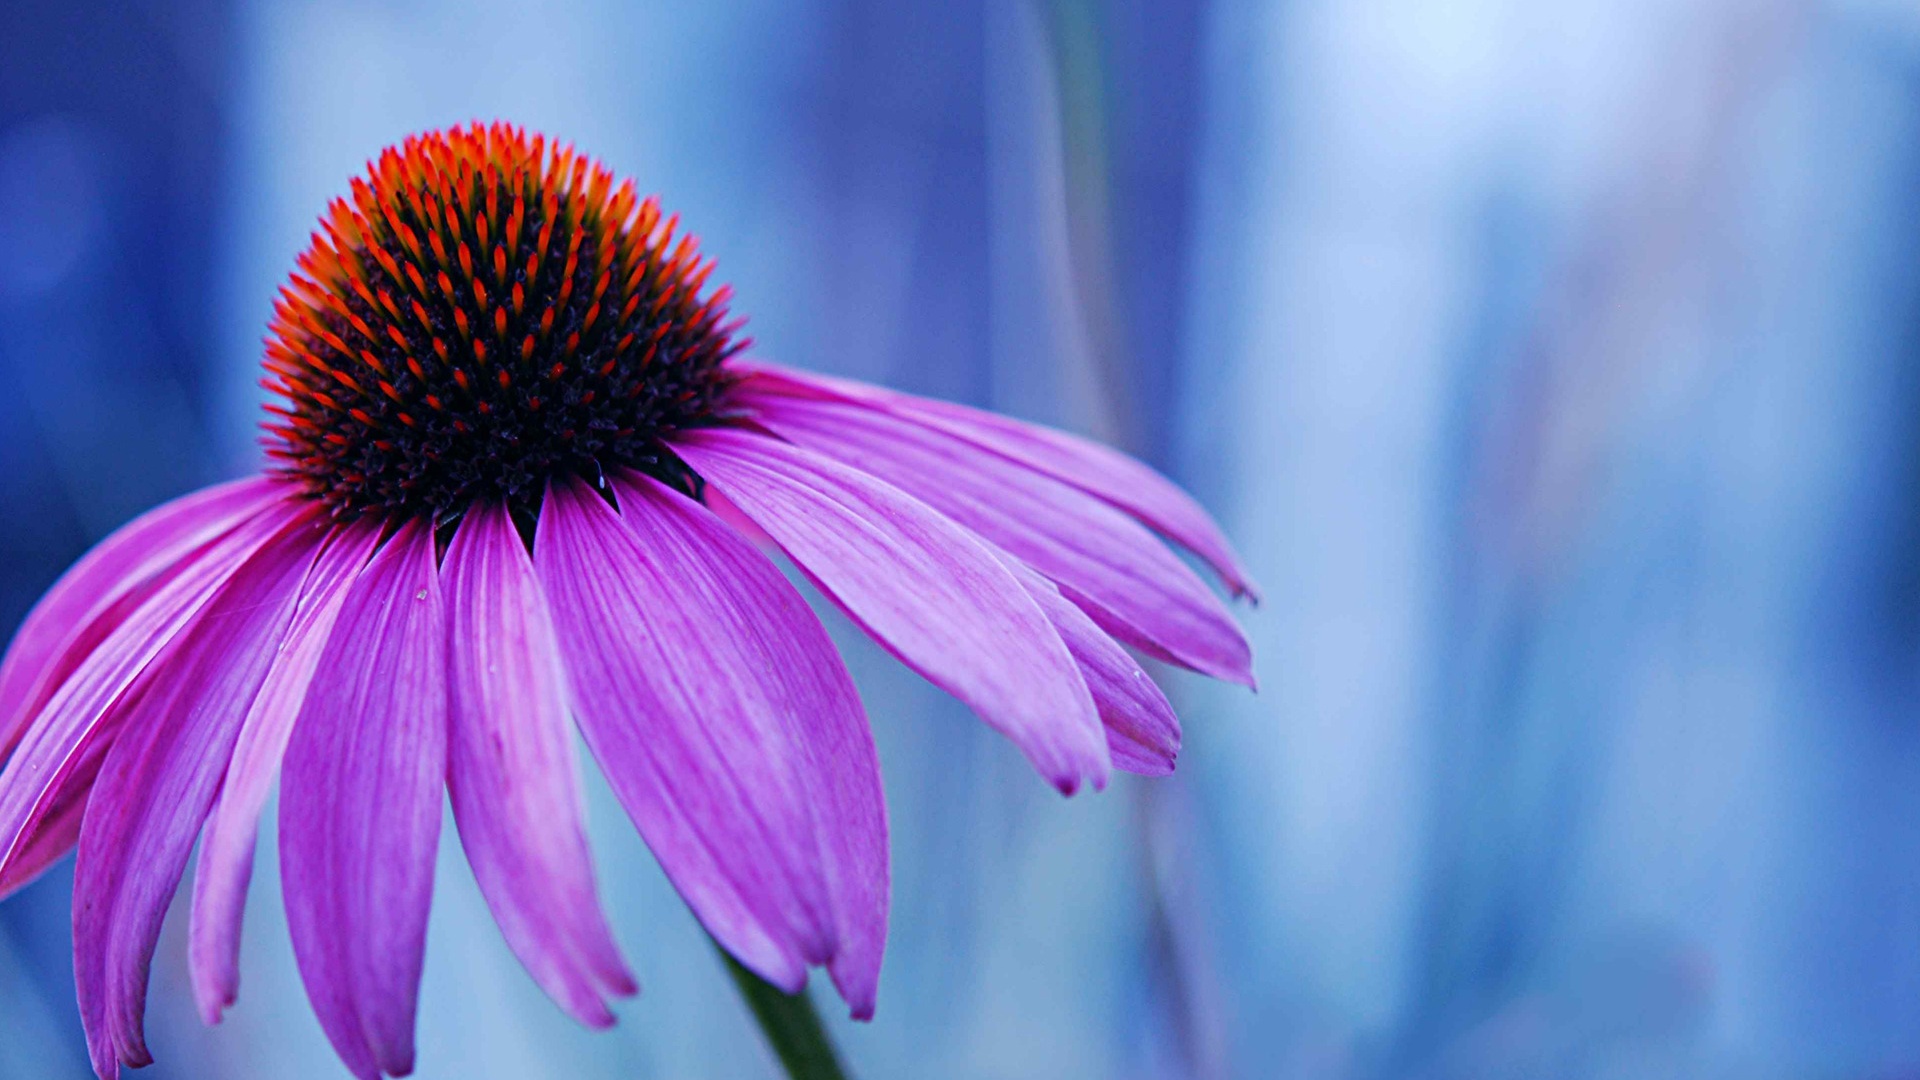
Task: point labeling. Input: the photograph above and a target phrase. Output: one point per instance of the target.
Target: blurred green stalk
(790, 1024)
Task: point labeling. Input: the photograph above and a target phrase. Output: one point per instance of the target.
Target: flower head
(483, 316)
(522, 485)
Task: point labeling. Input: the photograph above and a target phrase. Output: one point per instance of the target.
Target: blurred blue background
(1556, 366)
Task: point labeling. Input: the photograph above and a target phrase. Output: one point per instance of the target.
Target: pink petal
(175, 543)
(1098, 470)
(824, 723)
(226, 844)
(680, 692)
(1143, 734)
(512, 774)
(360, 806)
(920, 585)
(58, 830)
(68, 737)
(1103, 558)
(161, 776)
(95, 593)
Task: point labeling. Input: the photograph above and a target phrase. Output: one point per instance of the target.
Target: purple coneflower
(521, 481)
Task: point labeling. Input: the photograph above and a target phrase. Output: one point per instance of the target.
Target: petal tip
(791, 982)
(775, 967)
(399, 1063)
(1240, 674)
(597, 1018)
(212, 997)
(859, 985)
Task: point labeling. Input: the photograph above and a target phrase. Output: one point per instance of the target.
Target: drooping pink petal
(159, 779)
(59, 827)
(67, 738)
(360, 806)
(1098, 470)
(824, 723)
(1143, 734)
(925, 588)
(226, 844)
(95, 593)
(150, 552)
(511, 770)
(1102, 557)
(676, 687)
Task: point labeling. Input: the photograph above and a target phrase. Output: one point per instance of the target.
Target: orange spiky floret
(570, 290)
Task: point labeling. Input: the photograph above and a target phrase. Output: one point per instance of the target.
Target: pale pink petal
(821, 718)
(95, 593)
(1055, 529)
(178, 727)
(512, 774)
(922, 586)
(1143, 734)
(1098, 470)
(69, 735)
(1104, 559)
(360, 806)
(226, 844)
(675, 684)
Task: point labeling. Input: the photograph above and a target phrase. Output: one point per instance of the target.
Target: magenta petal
(79, 610)
(512, 774)
(689, 701)
(1098, 470)
(1108, 561)
(58, 829)
(360, 806)
(823, 722)
(1143, 734)
(66, 738)
(922, 586)
(57, 832)
(227, 842)
(159, 779)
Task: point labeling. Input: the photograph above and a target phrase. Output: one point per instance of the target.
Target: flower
(521, 478)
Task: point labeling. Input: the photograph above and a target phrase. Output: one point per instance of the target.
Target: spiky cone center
(487, 312)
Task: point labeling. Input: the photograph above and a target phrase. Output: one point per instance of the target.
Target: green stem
(790, 1025)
